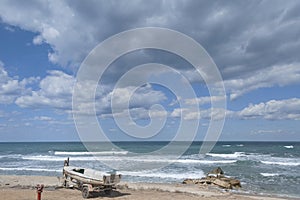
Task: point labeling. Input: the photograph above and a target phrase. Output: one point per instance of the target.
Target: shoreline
(16, 186)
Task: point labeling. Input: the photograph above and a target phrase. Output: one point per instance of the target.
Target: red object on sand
(39, 190)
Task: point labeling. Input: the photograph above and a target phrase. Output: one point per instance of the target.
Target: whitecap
(269, 174)
(207, 161)
(281, 163)
(154, 174)
(289, 147)
(56, 158)
(130, 159)
(11, 156)
(79, 153)
(223, 155)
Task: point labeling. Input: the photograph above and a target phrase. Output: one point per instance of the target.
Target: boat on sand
(89, 181)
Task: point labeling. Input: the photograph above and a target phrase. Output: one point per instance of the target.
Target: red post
(39, 190)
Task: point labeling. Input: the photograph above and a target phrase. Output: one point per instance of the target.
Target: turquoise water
(263, 167)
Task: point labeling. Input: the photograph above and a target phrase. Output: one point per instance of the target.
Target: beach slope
(23, 187)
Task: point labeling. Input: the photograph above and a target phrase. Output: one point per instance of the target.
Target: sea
(262, 167)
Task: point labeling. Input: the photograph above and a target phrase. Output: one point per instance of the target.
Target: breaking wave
(269, 174)
(233, 155)
(226, 145)
(289, 147)
(164, 175)
(102, 153)
(132, 159)
(281, 163)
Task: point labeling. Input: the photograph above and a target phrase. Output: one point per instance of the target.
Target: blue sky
(255, 45)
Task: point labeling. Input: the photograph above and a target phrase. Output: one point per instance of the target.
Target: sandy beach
(23, 187)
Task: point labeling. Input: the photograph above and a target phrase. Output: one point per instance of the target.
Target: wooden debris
(222, 184)
(216, 177)
(188, 181)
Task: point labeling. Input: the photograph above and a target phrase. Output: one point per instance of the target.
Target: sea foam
(281, 163)
(269, 174)
(29, 169)
(233, 155)
(289, 147)
(164, 175)
(79, 153)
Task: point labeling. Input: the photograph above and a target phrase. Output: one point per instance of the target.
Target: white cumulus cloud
(273, 110)
(55, 92)
(279, 75)
(12, 87)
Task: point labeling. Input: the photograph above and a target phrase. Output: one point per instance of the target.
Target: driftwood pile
(216, 177)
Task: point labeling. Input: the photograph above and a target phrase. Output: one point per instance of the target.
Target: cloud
(204, 100)
(2, 114)
(140, 100)
(49, 121)
(11, 87)
(211, 113)
(288, 109)
(37, 40)
(73, 29)
(9, 28)
(242, 37)
(57, 83)
(55, 92)
(43, 118)
(281, 75)
(138, 114)
(186, 114)
(269, 132)
(254, 44)
(142, 97)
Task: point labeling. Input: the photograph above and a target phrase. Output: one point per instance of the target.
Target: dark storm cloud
(249, 34)
(241, 36)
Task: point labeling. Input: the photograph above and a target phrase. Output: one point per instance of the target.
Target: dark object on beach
(66, 163)
(216, 177)
(89, 180)
(216, 172)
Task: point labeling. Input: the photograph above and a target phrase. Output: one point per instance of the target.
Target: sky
(254, 44)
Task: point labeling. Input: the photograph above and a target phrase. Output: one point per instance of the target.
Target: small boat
(89, 180)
